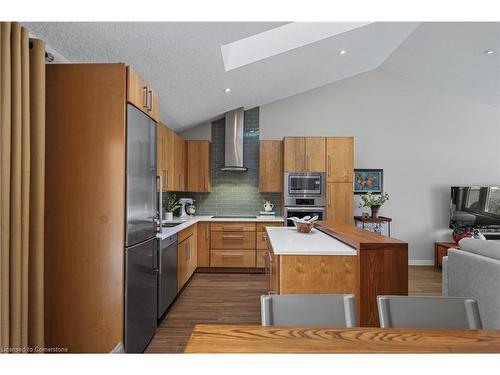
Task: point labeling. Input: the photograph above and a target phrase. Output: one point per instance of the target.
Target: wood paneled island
(376, 265)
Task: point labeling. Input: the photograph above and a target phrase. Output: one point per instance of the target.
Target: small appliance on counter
(187, 208)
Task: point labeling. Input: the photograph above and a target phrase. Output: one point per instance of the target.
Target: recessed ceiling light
(342, 52)
(227, 91)
(489, 52)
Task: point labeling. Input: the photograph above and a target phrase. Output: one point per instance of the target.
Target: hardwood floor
(424, 281)
(235, 299)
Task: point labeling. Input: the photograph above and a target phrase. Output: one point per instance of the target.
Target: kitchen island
(337, 258)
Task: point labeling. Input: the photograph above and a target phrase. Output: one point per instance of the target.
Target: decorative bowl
(304, 227)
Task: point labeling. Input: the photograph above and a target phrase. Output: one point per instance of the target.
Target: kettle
(268, 206)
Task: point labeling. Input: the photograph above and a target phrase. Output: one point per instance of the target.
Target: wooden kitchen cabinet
(203, 246)
(232, 244)
(142, 95)
(232, 227)
(273, 272)
(198, 166)
(340, 202)
(339, 159)
(315, 155)
(85, 158)
(294, 149)
(271, 166)
(232, 258)
(186, 255)
(260, 258)
(165, 156)
(304, 154)
(232, 240)
(179, 172)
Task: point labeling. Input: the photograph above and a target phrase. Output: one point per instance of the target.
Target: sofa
(474, 271)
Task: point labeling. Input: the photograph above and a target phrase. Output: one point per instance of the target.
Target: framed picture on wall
(366, 180)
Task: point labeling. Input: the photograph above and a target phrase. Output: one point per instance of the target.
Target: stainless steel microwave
(304, 189)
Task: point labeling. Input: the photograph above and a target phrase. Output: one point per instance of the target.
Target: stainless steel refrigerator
(141, 267)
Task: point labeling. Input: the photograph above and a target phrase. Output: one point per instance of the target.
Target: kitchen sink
(170, 225)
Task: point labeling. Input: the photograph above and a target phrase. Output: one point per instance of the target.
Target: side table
(441, 250)
(373, 224)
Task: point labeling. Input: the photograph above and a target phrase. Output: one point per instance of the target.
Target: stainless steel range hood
(234, 141)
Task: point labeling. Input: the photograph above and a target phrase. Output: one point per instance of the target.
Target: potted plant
(374, 201)
(170, 205)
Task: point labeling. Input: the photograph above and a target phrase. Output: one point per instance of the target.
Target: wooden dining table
(225, 338)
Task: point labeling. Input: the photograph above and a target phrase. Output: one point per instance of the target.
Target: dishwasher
(167, 273)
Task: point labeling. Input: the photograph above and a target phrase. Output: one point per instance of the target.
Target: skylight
(281, 39)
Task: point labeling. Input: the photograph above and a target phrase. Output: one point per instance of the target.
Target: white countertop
(287, 241)
(167, 232)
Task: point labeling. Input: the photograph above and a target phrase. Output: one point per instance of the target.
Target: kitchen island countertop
(287, 241)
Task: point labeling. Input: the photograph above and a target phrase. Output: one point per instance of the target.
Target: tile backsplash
(234, 193)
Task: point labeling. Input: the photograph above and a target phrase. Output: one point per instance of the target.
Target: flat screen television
(477, 206)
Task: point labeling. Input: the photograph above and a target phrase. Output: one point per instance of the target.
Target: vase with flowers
(374, 202)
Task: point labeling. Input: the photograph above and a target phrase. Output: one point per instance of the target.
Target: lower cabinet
(273, 272)
(260, 258)
(239, 244)
(232, 258)
(203, 246)
(186, 255)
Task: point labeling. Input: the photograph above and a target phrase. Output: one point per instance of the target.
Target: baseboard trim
(421, 262)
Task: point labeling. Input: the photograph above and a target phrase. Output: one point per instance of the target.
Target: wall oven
(300, 212)
(304, 189)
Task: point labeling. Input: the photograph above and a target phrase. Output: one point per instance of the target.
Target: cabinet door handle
(240, 228)
(150, 92)
(166, 179)
(206, 231)
(145, 97)
(232, 237)
(329, 165)
(188, 250)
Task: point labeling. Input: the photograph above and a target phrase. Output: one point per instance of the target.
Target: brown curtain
(22, 150)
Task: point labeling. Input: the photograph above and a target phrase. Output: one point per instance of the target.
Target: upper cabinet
(179, 172)
(142, 95)
(294, 149)
(339, 159)
(304, 154)
(165, 156)
(198, 166)
(271, 166)
(315, 154)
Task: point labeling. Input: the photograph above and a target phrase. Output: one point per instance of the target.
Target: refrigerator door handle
(159, 179)
(156, 257)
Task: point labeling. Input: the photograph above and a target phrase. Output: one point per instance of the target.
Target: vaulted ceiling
(183, 61)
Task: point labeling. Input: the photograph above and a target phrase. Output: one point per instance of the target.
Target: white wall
(201, 132)
(424, 139)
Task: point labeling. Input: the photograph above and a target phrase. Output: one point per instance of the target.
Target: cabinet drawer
(185, 233)
(260, 260)
(261, 227)
(232, 227)
(261, 239)
(232, 240)
(232, 258)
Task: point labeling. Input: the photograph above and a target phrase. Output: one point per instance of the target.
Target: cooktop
(233, 217)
